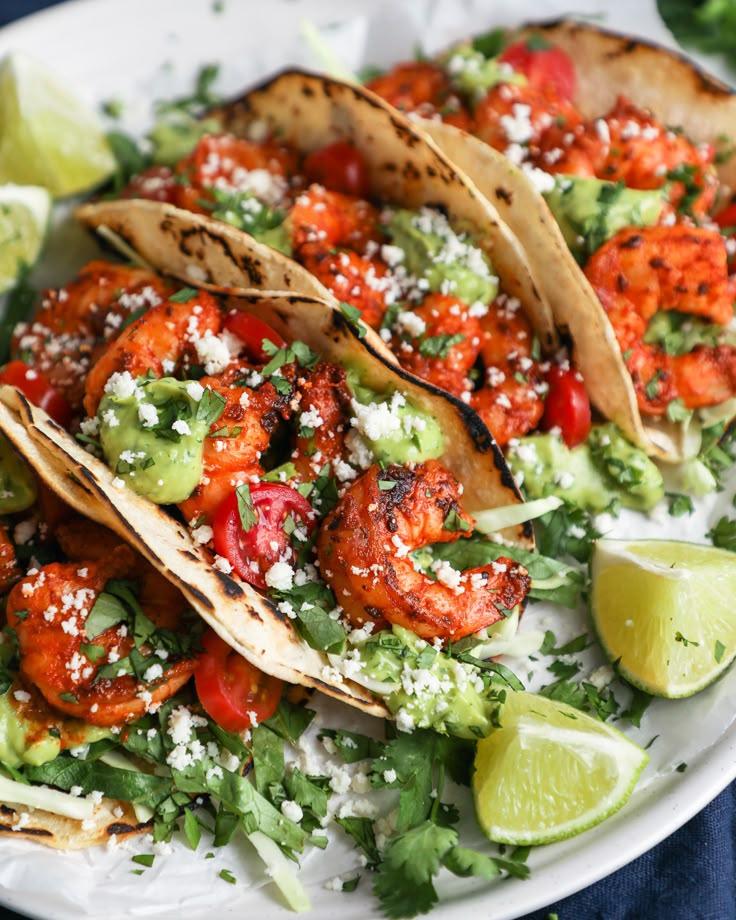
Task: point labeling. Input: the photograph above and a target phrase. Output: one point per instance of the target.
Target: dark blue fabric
(14, 9)
(690, 876)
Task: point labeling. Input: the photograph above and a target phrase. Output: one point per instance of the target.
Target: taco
(623, 139)
(377, 215)
(42, 658)
(286, 442)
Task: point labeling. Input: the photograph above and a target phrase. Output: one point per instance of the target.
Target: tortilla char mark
(189, 242)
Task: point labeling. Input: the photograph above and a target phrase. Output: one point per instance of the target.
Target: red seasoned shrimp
(641, 271)
(163, 334)
(510, 400)
(247, 423)
(363, 548)
(511, 113)
(429, 350)
(73, 322)
(9, 571)
(234, 164)
(330, 219)
(630, 145)
(358, 280)
(422, 87)
(48, 610)
(322, 420)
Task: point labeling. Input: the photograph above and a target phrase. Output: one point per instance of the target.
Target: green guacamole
(591, 211)
(395, 430)
(449, 262)
(432, 690)
(605, 469)
(153, 437)
(17, 483)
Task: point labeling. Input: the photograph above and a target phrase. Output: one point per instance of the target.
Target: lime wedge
(664, 611)
(47, 136)
(550, 772)
(24, 218)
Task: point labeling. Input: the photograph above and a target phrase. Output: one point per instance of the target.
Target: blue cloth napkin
(690, 876)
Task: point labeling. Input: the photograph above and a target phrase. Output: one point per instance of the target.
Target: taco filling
(296, 475)
(425, 280)
(638, 201)
(96, 700)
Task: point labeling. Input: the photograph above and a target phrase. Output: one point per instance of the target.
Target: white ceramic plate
(139, 50)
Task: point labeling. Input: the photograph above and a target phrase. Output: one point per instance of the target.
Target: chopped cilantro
(686, 642)
(652, 387)
(144, 859)
(184, 295)
(679, 504)
(248, 516)
(438, 346)
(723, 534)
(192, 829)
(353, 314)
(720, 648)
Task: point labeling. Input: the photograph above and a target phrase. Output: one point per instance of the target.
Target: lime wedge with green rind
(48, 137)
(550, 772)
(24, 219)
(664, 612)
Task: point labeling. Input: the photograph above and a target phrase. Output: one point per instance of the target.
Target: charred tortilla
(248, 621)
(678, 93)
(307, 112)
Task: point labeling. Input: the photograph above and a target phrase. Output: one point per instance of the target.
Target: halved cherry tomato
(567, 406)
(339, 167)
(252, 331)
(38, 390)
(542, 64)
(726, 218)
(233, 692)
(252, 552)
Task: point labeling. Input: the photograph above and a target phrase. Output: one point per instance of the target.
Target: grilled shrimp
(440, 342)
(323, 420)
(511, 113)
(9, 571)
(48, 610)
(641, 271)
(161, 336)
(246, 424)
(510, 399)
(74, 322)
(231, 164)
(424, 88)
(330, 218)
(363, 549)
(630, 145)
(358, 280)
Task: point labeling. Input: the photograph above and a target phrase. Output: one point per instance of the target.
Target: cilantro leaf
(353, 746)
(248, 516)
(403, 882)
(361, 830)
(723, 534)
(290, 720)
(464, 862)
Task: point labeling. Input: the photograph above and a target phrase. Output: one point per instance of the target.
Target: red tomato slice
(567, 406)
(38, 390)
(341, 168)
(543, 65)
(252, 552)
(233, 692)
(251, 330)
(726, 217)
